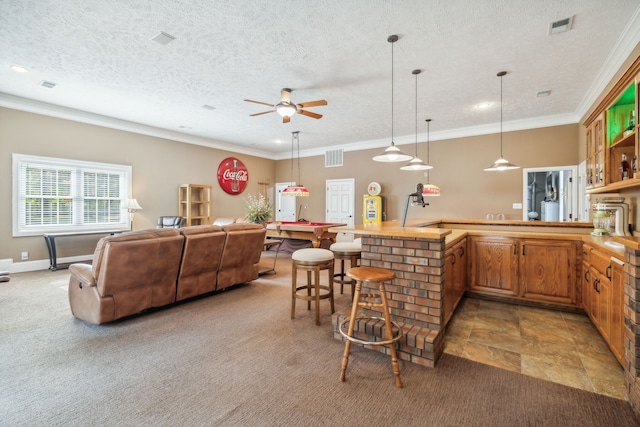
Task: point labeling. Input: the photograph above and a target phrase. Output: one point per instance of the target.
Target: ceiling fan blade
(264, 112)
(285, 95)
(258, 102)
(310, 114)
(286, 119)
(313, 103)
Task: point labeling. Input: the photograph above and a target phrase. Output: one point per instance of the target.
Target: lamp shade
(131, 205)
(430, 190)
(296, 191)
(501, 164)
(392, 154)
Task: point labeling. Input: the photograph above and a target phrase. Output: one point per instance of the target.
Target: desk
(50, 240)
(314, 231)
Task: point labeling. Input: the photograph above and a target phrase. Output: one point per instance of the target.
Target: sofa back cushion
(139, 269)
(241, 254)
(201, 258)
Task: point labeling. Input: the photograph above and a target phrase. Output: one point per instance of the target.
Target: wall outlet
(517, 206)
(25, 256)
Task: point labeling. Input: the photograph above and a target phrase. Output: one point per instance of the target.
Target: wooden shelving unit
(194, 203)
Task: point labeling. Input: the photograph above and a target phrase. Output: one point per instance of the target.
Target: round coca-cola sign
(232, 175)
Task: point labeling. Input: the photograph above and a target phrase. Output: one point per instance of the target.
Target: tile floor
(556, 346)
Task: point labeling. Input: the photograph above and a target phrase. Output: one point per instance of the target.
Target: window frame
(77, 167)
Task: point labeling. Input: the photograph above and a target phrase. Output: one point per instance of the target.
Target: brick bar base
(414, 296)
(632, 327)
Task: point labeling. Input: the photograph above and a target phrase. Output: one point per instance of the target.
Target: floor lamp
(131, 205)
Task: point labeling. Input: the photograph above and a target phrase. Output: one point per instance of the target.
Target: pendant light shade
(501, 164)
(429, 189)
(416, 164)
(392, 153)
(298, 190)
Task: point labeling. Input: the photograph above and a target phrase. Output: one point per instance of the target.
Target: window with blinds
(59, 195)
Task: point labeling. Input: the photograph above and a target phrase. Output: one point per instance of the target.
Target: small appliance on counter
(610, 217)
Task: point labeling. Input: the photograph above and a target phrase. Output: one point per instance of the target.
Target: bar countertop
(454, 230)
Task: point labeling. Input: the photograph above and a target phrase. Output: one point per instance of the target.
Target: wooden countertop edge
(430, 229)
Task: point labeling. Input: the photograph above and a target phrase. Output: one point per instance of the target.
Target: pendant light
(416, 164)
(298, 190)
(429, 189)
(501, 164)
(392, 153)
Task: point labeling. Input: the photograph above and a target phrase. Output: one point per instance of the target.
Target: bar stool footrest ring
(359, 341)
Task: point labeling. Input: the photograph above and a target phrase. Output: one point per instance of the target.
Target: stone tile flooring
(556, 346)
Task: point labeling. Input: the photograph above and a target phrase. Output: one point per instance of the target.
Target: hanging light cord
(428, 162)
(392, 42)
(416, 74)
(292, 137)
(298, 142)
(501, 114)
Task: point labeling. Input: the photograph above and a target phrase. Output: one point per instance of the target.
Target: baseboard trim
(40, 264)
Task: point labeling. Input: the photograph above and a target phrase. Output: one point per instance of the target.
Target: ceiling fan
(287, 109)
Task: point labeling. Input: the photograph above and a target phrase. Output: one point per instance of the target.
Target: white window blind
(59, 195)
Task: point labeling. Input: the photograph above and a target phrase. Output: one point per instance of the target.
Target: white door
(285, 206)
(340, 201)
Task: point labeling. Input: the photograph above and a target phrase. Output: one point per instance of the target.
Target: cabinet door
(603, 303)
(493, 265)
(461, 271)
(587, 289)
(590, 158)
(617, 310)
(548, 271)
(449, 284)
(600, 154)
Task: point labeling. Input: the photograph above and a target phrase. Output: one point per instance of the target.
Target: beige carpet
(236, 358)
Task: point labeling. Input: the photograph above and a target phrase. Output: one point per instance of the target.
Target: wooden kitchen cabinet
(493, 265)
(548, 270)
(540, 270)
(611, 132)
(455, 279)
(603, 294)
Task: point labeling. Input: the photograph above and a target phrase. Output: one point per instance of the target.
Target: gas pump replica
(372, 209)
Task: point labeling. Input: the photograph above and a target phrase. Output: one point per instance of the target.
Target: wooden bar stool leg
(387, 320)
(331, 273)
(294, 278)
(309, 289)
(352, 322)
(317, 293)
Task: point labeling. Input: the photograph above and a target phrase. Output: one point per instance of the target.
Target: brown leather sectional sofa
(132, 272)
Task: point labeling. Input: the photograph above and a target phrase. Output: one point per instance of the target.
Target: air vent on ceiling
(333, 158)
(543, 93)
(208, 107)
(48, 85)
(163, 38)
(560, 26)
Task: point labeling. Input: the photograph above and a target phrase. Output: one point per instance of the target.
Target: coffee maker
(611, 217)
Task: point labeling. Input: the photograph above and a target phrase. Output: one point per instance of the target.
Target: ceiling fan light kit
(501, 164)
(286, 109)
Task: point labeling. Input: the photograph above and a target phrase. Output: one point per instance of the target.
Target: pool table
(314, 231)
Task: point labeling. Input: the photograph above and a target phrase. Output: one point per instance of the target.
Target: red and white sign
(232, 175)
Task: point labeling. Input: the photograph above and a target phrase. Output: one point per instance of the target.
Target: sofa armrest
(83, 273)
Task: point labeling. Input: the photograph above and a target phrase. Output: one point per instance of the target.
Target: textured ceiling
(109, 72)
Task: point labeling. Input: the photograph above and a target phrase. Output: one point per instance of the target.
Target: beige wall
(467, 190)
(159, 166)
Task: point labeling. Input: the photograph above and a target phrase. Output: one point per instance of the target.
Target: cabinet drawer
(600, 262)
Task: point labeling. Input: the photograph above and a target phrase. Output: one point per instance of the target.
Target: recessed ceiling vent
(208, 107)
(48, 85)
(333, 158)
(560, 26)
(163, 38)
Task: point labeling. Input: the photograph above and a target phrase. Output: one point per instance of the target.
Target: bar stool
(346, 251)
(311, 260)
(372, 275)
